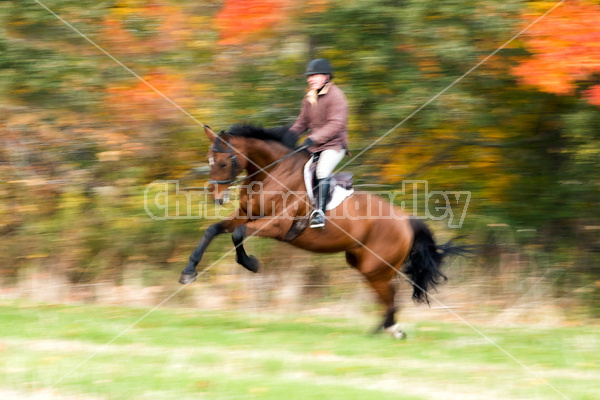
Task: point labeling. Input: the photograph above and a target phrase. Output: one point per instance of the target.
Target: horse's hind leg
(386, 290)
(380, 276)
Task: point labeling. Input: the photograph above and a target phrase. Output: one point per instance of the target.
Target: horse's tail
(425, 261)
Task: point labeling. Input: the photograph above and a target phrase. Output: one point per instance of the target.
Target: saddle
(340, 186)
(339, 189)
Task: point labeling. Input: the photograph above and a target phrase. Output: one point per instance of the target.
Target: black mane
(280, 134)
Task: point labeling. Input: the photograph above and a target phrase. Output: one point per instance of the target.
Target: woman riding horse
(325, 112)
(378, 239)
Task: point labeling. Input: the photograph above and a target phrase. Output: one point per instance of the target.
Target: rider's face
(317, 81)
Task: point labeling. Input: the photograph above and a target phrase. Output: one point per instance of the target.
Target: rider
(325, 112)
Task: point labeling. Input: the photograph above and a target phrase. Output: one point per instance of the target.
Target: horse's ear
(209, 133)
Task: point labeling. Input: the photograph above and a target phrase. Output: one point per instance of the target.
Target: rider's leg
(328, 160)
(315, 184)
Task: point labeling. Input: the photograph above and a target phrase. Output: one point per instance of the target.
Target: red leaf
(565, 48)
(240, 20)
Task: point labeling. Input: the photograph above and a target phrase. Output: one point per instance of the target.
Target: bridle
(235, 164)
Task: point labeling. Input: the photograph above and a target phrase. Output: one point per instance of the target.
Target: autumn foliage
(565, 48)
(241, 20)
(82, 137)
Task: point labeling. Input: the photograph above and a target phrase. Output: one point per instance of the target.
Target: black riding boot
(317, 218)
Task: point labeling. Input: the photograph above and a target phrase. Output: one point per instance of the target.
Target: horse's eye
(223, 165)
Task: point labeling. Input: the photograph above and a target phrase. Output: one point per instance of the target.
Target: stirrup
(317, 219)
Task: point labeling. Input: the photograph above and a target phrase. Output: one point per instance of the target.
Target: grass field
(188, 354)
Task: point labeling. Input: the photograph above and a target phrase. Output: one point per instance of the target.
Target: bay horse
(379, 248)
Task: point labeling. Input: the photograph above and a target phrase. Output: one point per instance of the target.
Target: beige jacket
(326, 117)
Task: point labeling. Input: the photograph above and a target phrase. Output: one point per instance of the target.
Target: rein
(235, 164)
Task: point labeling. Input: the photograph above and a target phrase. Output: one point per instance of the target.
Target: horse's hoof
(186, 279)
(252, 264)
(396, 332)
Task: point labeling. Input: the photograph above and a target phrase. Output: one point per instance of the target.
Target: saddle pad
(338, 194)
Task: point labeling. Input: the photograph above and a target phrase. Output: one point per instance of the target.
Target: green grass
(189, 354)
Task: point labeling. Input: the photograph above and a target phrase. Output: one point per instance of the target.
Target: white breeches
(328, 160)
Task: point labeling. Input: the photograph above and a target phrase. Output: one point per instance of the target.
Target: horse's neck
(262, 154)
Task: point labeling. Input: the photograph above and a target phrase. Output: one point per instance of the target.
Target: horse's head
(225, 164)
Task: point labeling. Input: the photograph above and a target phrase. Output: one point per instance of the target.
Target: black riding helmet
(319, 66)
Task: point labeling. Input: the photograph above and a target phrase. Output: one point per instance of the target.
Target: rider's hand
(307, 143)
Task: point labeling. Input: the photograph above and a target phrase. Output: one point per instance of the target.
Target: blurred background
(82, 138)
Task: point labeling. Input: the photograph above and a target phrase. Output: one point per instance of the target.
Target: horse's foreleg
(242, 258)
(189, 274)
(262, 227)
